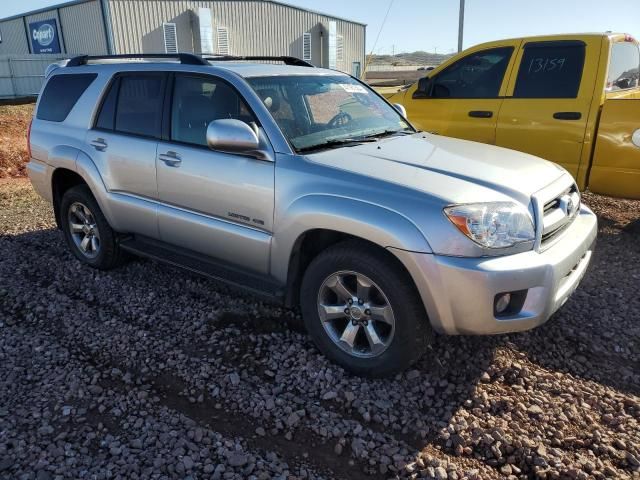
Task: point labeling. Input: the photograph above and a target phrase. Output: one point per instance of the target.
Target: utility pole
(461, 26)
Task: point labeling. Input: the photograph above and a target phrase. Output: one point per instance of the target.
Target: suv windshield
(322, 111)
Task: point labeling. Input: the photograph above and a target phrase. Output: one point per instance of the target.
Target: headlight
(493, 225)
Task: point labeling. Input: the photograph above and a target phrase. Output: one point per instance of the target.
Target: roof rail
(284, 59)
(184, 58)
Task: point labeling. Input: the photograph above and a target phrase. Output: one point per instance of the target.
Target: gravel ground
(151, 372)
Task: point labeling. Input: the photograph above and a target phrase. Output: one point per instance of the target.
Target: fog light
(502, 303)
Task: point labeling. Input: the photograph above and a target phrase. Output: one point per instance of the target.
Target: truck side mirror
(424, 88)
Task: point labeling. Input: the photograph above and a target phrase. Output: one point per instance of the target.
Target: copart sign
(44, 36)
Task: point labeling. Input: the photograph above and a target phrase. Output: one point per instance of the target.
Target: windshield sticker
(352, 88)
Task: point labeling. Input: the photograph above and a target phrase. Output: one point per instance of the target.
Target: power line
(384, 20)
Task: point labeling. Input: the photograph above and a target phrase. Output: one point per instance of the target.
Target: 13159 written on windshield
(541, 64)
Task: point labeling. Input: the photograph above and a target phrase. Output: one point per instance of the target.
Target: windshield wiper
(388, 133)
(341, 142)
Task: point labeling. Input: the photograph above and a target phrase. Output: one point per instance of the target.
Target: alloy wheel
(356, 314)
(84, 230)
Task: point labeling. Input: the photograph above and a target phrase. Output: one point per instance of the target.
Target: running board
(257, 284)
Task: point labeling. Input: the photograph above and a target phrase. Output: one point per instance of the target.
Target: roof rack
(184, 58)
(188, 58)
(287, 60)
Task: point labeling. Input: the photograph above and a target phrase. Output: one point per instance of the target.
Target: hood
(457, 171)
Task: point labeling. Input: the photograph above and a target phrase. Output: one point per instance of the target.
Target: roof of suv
(248, 70)
(246, 67)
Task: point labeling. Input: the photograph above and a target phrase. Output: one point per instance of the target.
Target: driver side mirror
(401, 110)
(234, 136)
(425, 85)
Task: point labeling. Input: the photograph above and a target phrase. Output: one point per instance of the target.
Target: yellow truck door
(615, 169)
(549, 99)
(462, 98)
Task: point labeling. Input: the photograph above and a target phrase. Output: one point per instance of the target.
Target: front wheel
(363, 311)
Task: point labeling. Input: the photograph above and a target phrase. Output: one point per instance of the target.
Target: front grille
(558, 213)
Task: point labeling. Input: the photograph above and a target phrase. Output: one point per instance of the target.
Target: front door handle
(172, 159)
(99, 144)
(567, 115)
(480, 114)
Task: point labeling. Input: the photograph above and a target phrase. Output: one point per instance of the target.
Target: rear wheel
(362, 310)
(86, 230)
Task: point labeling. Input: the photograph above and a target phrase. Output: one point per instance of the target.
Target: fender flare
(377, 224)
(77, 161)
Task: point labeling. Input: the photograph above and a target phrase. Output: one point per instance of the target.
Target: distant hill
(414, 58)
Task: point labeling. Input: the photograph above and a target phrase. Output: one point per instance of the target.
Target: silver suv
(305, 186)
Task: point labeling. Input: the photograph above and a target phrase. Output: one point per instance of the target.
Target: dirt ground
(14, 120)
(151, 372)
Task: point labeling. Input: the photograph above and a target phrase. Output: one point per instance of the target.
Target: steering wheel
(340, 120)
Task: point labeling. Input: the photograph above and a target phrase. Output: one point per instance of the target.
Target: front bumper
(458, 293)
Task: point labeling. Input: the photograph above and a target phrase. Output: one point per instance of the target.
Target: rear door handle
(172, 159)
(99, 144)
(480, 114)
(567, 115)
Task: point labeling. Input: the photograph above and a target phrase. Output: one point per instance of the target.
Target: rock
(330, 395)
(237, 459)
(440, 473)
(187, 462)
(292, 420)
(485, 378)
(234, 378)
(5, 464)
(535, 410)
(412, 374)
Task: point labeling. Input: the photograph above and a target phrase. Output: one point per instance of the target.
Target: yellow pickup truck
(572, 99)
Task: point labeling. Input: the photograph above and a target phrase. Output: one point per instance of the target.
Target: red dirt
(14, 121)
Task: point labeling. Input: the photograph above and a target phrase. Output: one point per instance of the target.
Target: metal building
(237, 27)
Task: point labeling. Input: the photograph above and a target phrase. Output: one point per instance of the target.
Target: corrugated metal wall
(80, 29)
(14, 37)
(22, 76)
(83, 28)
(255, 27)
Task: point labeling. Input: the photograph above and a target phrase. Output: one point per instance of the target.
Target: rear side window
(107, 115)
(550, 70)
(61, 94)
(624, 67)
(134, 104)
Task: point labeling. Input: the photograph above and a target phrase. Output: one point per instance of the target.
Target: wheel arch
(317, 222)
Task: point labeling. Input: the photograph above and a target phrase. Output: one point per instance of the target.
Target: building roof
(74, 2)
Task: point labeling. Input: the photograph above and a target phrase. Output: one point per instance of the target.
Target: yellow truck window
(478, 75)
(550, 70)
(624, 67)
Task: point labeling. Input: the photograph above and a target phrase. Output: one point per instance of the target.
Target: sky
(432, 25)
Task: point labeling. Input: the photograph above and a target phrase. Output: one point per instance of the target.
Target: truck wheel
(86, 230)
(363, 311)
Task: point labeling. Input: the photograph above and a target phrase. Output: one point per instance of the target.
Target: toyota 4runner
(303, 185)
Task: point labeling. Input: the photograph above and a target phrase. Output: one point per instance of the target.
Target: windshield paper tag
(352, 88)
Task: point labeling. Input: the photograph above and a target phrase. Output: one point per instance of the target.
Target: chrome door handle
(172, 159)
(99, 144)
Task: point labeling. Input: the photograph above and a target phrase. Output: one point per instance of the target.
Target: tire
(400, 338)
(102, 253)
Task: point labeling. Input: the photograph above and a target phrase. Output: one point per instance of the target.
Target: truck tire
(363, 311)
(87, 231)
